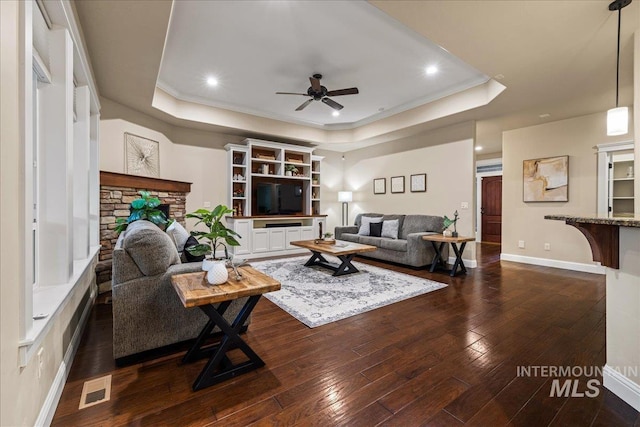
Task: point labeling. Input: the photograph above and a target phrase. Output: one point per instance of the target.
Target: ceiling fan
(317, 92)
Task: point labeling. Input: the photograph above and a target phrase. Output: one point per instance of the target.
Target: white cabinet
(306, 233)
(260, 239)
(277, 239)
(616, 174)
(243, 228)
(293, 234)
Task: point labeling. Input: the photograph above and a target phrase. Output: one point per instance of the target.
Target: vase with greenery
(448, 222)
(290, 170)
(217, 236)
(146, 207)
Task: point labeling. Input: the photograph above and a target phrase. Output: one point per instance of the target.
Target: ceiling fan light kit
(618, 118)
(317, 92)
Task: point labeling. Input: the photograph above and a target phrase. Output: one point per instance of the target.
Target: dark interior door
(491, 209)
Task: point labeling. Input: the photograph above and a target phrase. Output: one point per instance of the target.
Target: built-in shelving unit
(616, 170)
(256, 161)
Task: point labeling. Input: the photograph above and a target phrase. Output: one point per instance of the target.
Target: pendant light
(618, 118)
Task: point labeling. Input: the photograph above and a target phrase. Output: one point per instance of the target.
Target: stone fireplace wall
(117, 191)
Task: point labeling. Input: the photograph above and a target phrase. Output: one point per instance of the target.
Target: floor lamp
(345, 197)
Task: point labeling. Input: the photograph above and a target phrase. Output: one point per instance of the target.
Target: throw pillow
(179, 234)
(191, 241)
(375, 229)
(390, 229)
(364, 224)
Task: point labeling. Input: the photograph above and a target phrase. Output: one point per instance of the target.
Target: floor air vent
(95, 391)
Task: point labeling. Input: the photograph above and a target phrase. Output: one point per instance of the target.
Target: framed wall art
(418, 183)
(142, 156)
(397, 184)
(379, 185)
(546, 180)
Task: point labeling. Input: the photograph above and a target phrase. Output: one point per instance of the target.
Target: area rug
(313, 296)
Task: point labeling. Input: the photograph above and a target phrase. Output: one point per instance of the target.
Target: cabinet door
(293, 234)
(243, 228)
(260, 240)
(306, 233)
(277, 239)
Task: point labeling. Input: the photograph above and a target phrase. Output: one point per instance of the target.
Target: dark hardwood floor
(449, 357)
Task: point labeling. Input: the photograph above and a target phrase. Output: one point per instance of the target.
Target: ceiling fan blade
(304, 104)
(315, 84)
(333, 104)
(291, 93)
(350, 91)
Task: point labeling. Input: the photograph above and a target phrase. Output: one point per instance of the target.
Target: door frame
(479, 176)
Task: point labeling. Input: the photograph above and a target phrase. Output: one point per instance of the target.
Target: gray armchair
(147, 313)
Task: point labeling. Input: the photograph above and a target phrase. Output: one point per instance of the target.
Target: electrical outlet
(40, 362)
(521, 244)
(464, 205)
(547, 247)
(206, 204)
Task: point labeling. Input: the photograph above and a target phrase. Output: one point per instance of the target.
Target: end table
(438, 261)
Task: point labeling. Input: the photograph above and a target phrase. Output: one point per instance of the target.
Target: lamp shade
(617, 121)
(345, 196)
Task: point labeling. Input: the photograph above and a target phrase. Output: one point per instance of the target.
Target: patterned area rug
(313, 296)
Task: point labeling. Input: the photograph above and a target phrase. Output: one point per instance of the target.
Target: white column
(81, 148)
(94, 180)
(56, 168)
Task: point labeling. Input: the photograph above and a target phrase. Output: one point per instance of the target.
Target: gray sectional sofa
(409, 248)
(147, 313)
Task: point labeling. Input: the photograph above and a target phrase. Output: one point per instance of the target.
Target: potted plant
(217, 236)
(289, 170)
(146, 207)
(328, 237)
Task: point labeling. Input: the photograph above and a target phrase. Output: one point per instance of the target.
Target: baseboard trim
(50, 404)
(545, 262)
(469, 263)
(621, 386)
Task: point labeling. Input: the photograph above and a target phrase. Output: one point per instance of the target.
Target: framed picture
(546, 180)
(418, 183)
(397, 184)
(142, 155)
(379, 185)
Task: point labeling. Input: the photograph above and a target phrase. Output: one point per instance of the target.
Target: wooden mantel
(113, 179)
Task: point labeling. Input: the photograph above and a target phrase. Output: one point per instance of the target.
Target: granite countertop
(633, 221)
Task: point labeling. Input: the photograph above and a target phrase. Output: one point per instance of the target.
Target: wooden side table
(194, 291)
(438, 261)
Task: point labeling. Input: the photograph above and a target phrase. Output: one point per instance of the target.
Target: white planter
(217, 273)
(288, 173)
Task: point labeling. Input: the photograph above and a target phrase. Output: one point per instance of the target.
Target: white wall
(445, 155)
(205, 168)
(576, 138)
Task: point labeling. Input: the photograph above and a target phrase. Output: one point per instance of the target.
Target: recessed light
(544, 115)
(431, 70)
(212, 81)
(499, 76)
(478, 148)
(381, 109)
(335, 113)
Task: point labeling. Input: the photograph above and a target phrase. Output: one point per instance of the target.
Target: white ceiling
(557, 57)
(255, 48)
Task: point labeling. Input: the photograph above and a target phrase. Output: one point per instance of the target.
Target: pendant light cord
(618, 57)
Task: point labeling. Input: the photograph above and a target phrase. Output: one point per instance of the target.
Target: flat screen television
(277, 198)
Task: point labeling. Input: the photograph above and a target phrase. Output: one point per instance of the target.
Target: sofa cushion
(375, 229)
(400, 219)
(191, 241)
(179, 235)
(150, 248)
(394, 245)
(421, 223)
(390, 228)
(349, 237)
(358, 220)
(364, 226)
(369, 240)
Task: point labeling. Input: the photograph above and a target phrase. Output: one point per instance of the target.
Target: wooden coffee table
(438, 261)
(194, 291)
(345, 251)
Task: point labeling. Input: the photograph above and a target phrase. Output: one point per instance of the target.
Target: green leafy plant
(146, 207)
(218, 235)
(448, 222)
(328, 235)
(291, 168)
